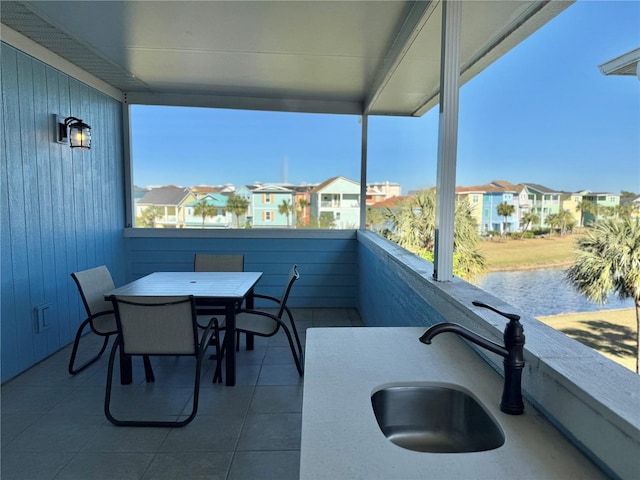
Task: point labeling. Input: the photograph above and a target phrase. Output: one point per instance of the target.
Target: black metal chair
(150, 326)
(265, 324)
(92, 285)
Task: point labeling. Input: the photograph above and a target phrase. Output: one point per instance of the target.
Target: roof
(539, 188)
(328, 182)
(272, 188)
(376, 57)
(483, 189)
(212, 189)
(626, 64)
(390, 202)
(165, 196)
(215, 200)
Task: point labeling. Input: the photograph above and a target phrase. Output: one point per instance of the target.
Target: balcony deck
(53, 425)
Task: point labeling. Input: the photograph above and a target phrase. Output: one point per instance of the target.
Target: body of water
(543, 292)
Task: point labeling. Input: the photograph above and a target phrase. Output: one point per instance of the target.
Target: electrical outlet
(41, 312)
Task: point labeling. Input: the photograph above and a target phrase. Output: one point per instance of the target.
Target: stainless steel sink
(435, 418)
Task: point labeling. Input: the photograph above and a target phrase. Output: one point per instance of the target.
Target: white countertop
(340, 435)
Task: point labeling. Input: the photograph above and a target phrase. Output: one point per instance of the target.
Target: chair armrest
(266, 297)
(274, 299)
(101, 314)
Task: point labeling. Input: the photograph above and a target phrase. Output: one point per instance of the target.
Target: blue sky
(543, 113)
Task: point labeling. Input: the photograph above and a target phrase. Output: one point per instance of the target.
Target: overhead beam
(244, 103)
(414, 21)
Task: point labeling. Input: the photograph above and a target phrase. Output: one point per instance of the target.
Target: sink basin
(435, 418)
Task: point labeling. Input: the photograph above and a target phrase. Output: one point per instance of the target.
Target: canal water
(543, 292)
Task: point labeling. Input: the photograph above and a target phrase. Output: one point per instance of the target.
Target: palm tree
(237, 206)
(553, 220)
(566, 221)
(505, 210)
(286, 208)
(204, 210)
(527, 220)
(608, 262)
(302, 205)
(412, 226)
(149, 215)
(585, 208)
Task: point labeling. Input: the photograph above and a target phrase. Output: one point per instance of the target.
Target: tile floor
(54, 428)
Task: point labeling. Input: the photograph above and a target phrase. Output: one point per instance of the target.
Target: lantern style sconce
(74, 131)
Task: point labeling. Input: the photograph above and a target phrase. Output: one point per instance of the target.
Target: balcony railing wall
(326, 259)
(591, 399)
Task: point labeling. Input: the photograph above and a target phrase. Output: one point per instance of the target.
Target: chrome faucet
(512, 352)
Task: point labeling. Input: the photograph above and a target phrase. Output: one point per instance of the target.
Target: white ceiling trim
(37, 51)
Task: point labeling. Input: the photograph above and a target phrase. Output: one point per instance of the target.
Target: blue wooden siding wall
(394, 290)
(61, 210)
(328, 271)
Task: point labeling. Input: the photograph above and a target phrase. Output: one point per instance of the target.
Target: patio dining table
(223, 289)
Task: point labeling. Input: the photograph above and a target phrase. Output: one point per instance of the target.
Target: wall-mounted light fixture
(74, 131)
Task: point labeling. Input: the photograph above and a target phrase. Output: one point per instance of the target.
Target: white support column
(363, 174)
(129, 214)
(447, 139)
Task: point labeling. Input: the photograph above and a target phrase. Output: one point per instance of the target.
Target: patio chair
(158, 326)
(92, 285)
(265, 324)
(208, 262)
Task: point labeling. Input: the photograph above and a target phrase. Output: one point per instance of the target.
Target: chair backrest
(205, 262)
(93, 284)
(156, 325)
(293, 276)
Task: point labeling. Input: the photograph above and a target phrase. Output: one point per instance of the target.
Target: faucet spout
(463, 332)
(512, 351)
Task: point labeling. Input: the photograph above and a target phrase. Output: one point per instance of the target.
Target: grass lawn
(514, 254)
(610, 332)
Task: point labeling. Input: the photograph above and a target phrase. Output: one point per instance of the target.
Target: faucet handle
(510, 316)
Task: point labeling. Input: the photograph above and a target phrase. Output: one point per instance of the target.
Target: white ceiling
(380, 57)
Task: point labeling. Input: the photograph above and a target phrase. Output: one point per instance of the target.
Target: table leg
(230, 344)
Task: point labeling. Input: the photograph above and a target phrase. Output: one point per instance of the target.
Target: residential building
(387, 188)
(475, 197)
(245, 192)
(374, 195)
(605, 205)
(266, 201)
(302, 202)
(542, 201)
(221, 219)
(338, 200)
(485, 200)
(171, 201)
(572, 202)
